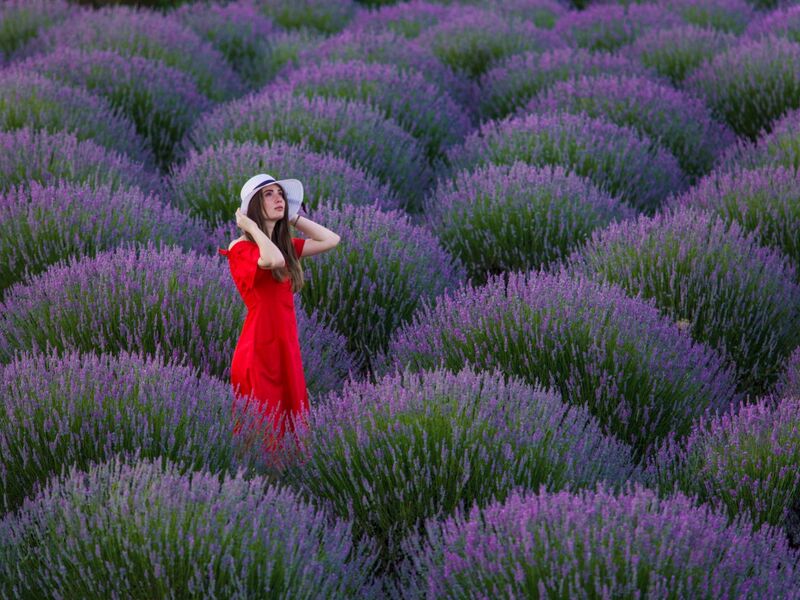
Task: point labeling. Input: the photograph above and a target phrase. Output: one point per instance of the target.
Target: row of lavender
(403, 97)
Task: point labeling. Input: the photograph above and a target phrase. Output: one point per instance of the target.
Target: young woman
(265, 265)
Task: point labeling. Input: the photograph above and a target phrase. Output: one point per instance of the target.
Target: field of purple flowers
(555, 355)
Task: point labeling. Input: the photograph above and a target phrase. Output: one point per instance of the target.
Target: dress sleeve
(298, 246)
(243, 260)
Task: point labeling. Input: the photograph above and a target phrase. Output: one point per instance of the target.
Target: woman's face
(273, 204)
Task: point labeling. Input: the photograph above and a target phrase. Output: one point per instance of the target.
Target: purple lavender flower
(680, 122)
(636, 371)
(126, 525)
(676, 52)
(504, 218)
(149, 34)
(789, 384)
(321, 15)
(162, 101)
(390, 48)
(208, 183)
(750, 84)
(511, 83)
(474, 40)
(731, 16)
(411, 446)
(352, 130)
(419, 107)
(609, 27)
(595, 544)
(407, 19)
(782, 22)
(761, 200)
(616, 158)
(375, 280)
(27, 156)
(24, 19)
(745, 464)
(150, 299)
(542, 13)
(729, 292)
(30, 100)
(40, 225)
(779, 147)
(75, 409)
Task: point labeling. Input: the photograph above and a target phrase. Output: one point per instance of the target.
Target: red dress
(267, 365)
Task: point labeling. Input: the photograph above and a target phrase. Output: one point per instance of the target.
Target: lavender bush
(149, 34)
(596, 543)
(389, 455)
(421, 108)
(542, 13)
(732, 16)
(321, 15)
(782, 22)
(511, 83)
(636, 371)
(745, 464)
(28, 156)
(149, 299)
(609, 27)
(789, 384)
(762, 200)
(162, 101)
(128, 528)
(208, 183)
(733, 294)
(353, 130)
(390, 48)
(677, 51)
(41, 225)
(21, 20)
(750, 84)
(616, 158)
(473, 40)
(503, 218)
(72, 410)
(407, 19)
(30, 100)
(779, 147)
(376, 279)
(680, 122)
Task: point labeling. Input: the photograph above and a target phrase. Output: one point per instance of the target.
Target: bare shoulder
(236, 241)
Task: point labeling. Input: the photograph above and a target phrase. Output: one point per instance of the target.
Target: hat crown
(251, 184)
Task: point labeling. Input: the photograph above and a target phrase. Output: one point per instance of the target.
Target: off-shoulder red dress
(267, 366)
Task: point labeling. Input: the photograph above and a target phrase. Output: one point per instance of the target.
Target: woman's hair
(281, 238)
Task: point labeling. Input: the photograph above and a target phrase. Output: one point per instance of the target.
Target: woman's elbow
(335, 240)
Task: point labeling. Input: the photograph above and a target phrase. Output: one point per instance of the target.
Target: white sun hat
(291, 187)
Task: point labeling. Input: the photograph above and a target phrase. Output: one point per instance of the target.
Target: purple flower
(779, 147)
(511, 83)
(762, 200)
(23, 19)
(353, 130)
(731, 16)
(411, 446)
(419, 107)
(616, 158)
(375, 279)
(504, 218)
(149, 34)
(727, 290)
(40, 225)
(104, 531)
(783, 22)
(162, 101)
(789, 384)
(407, 19)
(636, 371)
(609, 27)
(156, 300)
(746, 464)
(676, 52)
(751, 84)
(208, 183)
(596, 544)
(680, 122)
(28, 156)
(320, 15)
(30, 100)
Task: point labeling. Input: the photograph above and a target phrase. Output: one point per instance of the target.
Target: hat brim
(293, 190)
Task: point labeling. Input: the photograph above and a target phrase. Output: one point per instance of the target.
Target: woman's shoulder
(236, 241)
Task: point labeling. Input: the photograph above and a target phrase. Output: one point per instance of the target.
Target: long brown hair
(281, 238)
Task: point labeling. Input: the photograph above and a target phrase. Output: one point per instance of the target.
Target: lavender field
(555, 355)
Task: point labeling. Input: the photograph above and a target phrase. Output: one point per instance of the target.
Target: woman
(265, 265)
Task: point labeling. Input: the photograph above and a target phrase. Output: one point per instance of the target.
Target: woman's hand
(243, 222)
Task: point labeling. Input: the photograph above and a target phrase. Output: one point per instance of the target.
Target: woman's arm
(319, 238)
(271, 256)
